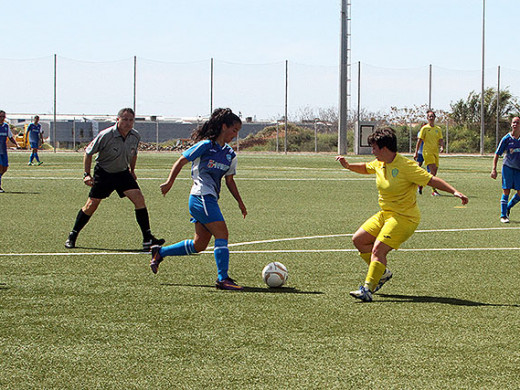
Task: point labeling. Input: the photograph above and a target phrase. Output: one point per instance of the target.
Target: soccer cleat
(147, 245)
(227, 284)
(1, 190)
(29, 163)
(156, 258)
(435, 193)
(39, 163)
(363, 293)
(504, 219)
(385, 278)
(71, 241)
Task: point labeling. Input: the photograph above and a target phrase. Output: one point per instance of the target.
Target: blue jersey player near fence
(211, 160)
(5, 134)
(35, 134)
(510, 145)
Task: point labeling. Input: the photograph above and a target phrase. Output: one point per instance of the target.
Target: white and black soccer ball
(275, 274)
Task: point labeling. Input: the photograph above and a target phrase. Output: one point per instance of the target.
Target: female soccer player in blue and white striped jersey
(510, 145)
(211, 160)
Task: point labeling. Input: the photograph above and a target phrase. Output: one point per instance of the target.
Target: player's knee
(91, 206)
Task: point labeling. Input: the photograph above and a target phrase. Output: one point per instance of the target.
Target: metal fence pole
(211, 88)
(286, 88)
(74, 134)
(430, 89)
(54, 127)
(135, 82)
(498, 107)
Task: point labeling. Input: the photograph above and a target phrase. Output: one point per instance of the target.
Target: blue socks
(221, 253)
(513, 201)
(182, 248)
(503, 205)
(186, 247)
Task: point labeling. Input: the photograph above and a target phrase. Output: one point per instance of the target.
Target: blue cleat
(363, 293)
(385, 278)
(156, 258)
(227, 284)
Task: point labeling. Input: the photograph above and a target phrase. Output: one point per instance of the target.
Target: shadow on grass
(266, 290)
(3, 286)
(20, 193)
(444, 300)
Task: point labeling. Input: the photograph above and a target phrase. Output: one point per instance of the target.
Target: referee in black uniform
(114, 170)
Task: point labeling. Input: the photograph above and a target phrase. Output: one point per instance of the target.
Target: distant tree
(467, 112)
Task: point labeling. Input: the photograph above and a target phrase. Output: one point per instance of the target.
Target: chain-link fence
(262, 94)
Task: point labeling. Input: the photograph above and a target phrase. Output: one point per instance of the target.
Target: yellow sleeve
(371, 166)
(417, 175)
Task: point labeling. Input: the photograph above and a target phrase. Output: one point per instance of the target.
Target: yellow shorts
(390, 228)
(431, 158)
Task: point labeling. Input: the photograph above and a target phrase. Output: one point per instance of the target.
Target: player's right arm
(176, 168)
(494, 169)
(358, 168)
(417, 146)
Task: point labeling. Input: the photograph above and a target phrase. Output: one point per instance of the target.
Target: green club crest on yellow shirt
(395, 172)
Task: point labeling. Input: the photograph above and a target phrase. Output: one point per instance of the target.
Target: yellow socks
(366, 257)
(375, 271)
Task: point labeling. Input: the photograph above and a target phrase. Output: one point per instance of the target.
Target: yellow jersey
(430, 136)
(397, 185)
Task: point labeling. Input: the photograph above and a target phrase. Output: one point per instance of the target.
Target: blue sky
(250, 40)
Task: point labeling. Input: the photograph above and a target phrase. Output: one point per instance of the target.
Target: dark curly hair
(384, 137)
(213, 126)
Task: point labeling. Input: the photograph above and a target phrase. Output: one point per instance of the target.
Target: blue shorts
(420, 158)
(510, 178)
(4, 161)
(34, 144)
(204, 209)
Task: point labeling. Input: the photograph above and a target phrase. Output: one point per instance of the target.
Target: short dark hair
(384, 137)
(431, 111)
(123, 110)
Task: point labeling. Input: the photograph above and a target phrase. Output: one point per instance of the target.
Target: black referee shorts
(105, 183)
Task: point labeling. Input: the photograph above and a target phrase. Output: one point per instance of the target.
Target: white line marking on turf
(188, 178)
(295, 250)
(351, 234)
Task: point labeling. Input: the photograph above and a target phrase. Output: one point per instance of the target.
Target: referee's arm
(133, 162)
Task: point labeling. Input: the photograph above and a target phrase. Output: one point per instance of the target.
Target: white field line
(296, 250)
(189, 178)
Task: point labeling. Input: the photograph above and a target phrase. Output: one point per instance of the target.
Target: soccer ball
(275, 274)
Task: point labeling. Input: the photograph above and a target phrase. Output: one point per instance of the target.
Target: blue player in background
(35, 133)
(211, 160)
(510, 145)
(5, 133)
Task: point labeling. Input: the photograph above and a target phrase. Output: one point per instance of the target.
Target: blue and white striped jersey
(209, 163)
(511, 146)
(5, 132)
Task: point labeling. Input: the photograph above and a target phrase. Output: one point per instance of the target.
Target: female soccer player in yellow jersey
(397, 179)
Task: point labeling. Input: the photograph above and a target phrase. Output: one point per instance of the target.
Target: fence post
(54, 127)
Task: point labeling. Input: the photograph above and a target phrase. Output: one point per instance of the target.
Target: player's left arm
(442, 185)
(441, 144)
(232, 187)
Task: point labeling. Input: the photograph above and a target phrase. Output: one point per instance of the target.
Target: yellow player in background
(430, 136)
